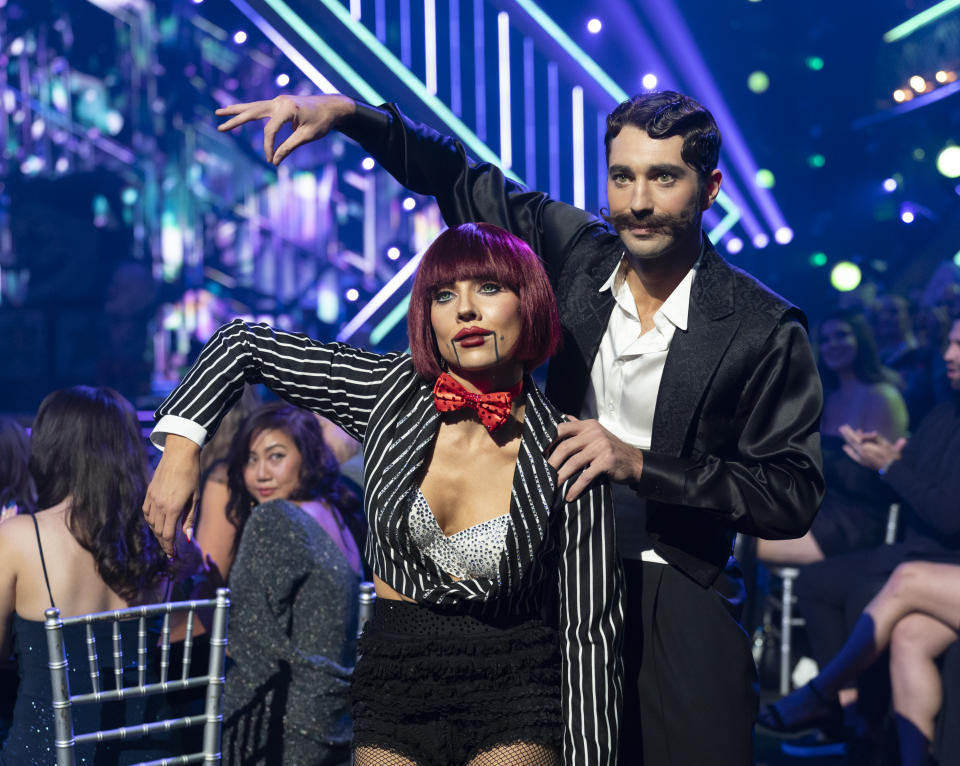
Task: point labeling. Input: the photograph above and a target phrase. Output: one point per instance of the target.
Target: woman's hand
(311, 117)
(172, 493)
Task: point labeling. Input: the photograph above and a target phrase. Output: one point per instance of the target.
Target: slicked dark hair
(86, 443)
(319, 470)
(16, 483)
(484, 251)
(667, 113)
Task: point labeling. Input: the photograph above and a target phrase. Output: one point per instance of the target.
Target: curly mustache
(626, 219)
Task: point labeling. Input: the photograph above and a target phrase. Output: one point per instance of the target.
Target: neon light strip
(406, 54)
(295, 57)
(529, 114)
(479, 70)
(430, 45)
(311, 38)
(477, 147)
(395, 283)
(579, 161)
(397, 315)
(380, 19)
(728, 221)
(923, 18)
(503, 54)
(456, 87)
(553, 127)
(575, 51)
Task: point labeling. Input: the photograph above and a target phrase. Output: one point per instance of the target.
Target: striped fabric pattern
(559, 558)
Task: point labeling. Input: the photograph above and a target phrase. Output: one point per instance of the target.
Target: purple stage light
(283, 80)
(594, 26)
(239, 37)
(393, 253)
(409, 203)
(352, 294)
(907, 215)
(367, 163)
(890, 185)
(760, 241)
(649, 81)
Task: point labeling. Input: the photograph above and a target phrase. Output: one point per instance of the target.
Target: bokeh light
(919, 154)
(941, 76)
(814, 62)
(758, 81)
(393, 253)
(649, 81)
(283, 80)
(899, 95)
(907, 214)
(594, 26)
(409, 203)
(765, 179)
(948, 162)
(890, 184)
(734, 245)
(818, 260)
(352, 294)
(783, 235)
(816, 160)
(918, 83)
(367, 163)
(239, 37)
(760, 240)
(845, 276)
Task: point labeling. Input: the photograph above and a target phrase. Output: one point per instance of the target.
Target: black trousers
(691, 694)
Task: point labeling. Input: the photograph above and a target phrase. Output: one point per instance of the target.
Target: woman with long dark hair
(496, 632)
(861, 393)
(87, 550)
(17, 493)
(295, 595)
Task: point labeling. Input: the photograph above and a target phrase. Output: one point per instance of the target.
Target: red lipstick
(471, 332)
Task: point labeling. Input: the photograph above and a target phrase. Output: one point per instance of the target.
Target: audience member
(87, 550)
(295, 595)
(917, 611)
(17, 493)
(858, 391)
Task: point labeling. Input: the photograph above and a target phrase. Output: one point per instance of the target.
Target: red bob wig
(484, 251)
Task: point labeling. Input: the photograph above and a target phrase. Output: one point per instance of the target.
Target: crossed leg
(517, 754)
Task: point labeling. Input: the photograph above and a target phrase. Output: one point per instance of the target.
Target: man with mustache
(693, 385)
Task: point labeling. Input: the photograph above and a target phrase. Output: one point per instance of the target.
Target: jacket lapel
(694, 354)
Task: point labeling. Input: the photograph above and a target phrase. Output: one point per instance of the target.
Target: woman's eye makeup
(490, 287)
(442, 296)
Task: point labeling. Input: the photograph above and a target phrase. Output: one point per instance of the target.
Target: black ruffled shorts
(441, 688)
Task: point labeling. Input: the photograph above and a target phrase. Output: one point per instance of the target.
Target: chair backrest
(367, 597)
(65, 738)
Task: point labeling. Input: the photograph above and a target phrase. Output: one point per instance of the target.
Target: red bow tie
(493, 409)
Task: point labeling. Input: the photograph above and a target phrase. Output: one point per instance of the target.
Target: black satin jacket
(735, 444)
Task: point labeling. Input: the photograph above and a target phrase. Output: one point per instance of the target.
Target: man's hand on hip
(587, 445)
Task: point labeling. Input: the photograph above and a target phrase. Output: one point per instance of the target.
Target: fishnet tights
(516, 754)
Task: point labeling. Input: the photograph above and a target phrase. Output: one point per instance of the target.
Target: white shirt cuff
(173, 424)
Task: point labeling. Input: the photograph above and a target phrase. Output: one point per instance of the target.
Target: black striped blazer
(559, 558)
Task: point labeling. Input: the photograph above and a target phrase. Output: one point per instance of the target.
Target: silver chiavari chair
(211, 720)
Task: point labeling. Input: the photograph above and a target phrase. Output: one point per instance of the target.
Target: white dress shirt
(626, 373)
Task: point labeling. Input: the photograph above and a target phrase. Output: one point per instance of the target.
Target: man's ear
(711, 188)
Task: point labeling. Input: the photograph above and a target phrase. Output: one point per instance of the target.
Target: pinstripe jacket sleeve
(338, 381)
(591, 616)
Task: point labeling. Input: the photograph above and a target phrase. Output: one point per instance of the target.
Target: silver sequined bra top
(469, 554)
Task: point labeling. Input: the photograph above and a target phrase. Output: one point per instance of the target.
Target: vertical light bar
(456, 87)
(503, 55)
(529, 115)
(380, 20)
(553, 127)
(579, 169)
(355, 10)
(479, 70)
(405, 42)
(601, 160)
(430, 45)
